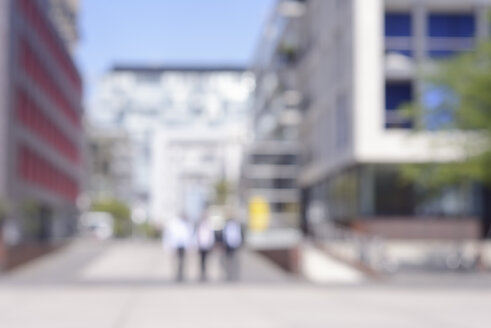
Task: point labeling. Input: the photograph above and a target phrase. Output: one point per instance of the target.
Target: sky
(167, 32)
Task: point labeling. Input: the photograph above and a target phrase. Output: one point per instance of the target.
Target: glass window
(398, 31)
(451, 25)
(396, 95)
(392, 196)
(398, 25)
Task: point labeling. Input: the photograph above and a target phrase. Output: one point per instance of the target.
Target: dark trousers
(180, 255)
(231, 264)
(203, 257)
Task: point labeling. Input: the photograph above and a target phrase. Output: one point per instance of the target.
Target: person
(178, 237)
(232, 240)
(205, 240)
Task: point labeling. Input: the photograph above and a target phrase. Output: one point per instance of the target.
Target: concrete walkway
(134, 262)
(128, 285)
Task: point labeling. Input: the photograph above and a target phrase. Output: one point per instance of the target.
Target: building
(270, 168)
(354, 76)
(64, 14)
(171, 106)
(110, 165)
(189, 166)
(40, 126)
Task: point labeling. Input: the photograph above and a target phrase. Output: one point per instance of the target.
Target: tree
(222, 192)
(463, 107)
(120, 212)
(3, 212)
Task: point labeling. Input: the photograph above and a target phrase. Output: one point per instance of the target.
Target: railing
(385, 256)
(355, 248)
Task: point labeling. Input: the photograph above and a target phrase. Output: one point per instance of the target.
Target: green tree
(3, 211)
(31, 218)
(464, 109)
(222, 192)
(120, 212)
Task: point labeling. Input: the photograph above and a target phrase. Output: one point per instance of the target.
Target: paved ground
(129, 285)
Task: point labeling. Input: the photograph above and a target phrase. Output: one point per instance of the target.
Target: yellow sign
(258, 214)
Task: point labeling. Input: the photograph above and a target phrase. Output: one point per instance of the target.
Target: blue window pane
(398, 25)
(452, 25)
(397, 94)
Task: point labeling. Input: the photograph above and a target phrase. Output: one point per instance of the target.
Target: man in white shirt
(178, 237)
(205, 238)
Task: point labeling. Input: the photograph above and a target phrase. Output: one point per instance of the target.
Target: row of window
(29, 113)
(34, 67)
(462, 25)
(38, 171)
(41, 24)
(447, 33)
(377, 191)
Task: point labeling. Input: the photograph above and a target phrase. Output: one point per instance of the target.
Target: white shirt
(205, 236)
(178, 234)
(232, 234)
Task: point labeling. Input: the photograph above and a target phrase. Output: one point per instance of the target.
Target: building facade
(356, 74)
(110, 165)
(174, 110)
(270, 167)
(40, 126)
(64, 15)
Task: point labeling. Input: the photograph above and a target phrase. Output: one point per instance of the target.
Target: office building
(359, 63)
(40, 126)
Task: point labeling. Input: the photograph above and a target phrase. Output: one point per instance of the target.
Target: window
(392, 197)
(397, 94)
(398, 32)
(450, 34)
(398, 25)
(451, 25)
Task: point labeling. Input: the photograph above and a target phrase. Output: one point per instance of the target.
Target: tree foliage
(3, 210)
(464, 107)
(222, 191)
(120, 212)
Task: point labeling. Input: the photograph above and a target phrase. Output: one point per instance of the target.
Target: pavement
(129, 284)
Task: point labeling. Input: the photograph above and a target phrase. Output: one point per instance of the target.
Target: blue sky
(167, 32)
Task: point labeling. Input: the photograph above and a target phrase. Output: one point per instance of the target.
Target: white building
(163, 107)
(188, 163)
(354, 75)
